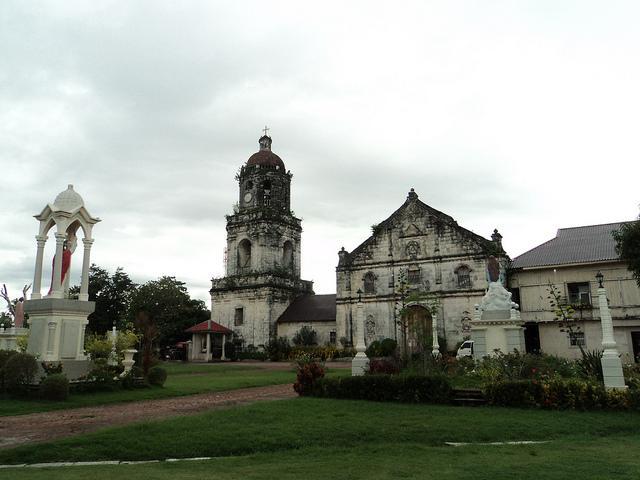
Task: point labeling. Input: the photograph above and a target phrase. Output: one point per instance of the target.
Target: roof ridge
(596, 225)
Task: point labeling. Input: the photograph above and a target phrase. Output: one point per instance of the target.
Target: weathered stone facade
(263, 252)
(429, 252)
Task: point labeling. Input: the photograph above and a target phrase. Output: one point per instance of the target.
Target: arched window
(369, 283)
(244, 256)
(463, 275)
(287, 255)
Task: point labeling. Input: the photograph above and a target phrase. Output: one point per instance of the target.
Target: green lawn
(183, 379)
(319, 438)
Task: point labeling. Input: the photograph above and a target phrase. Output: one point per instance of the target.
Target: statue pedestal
(359, 364)
(57, 328)
(496, 325)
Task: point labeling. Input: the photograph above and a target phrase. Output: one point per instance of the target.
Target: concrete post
(224, 339)
(37, 277)
(435, 346)
(208, 347)
(611, 363)
(86, 263)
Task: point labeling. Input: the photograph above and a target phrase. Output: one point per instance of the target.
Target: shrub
(590, 365)
(55, 387)
(325, 352)
(384, 388)
(383, 365)
(230, 351)
(157, 376)
(5, 355)
(98, 347)
(308, 372)
(20, 371)
(305, 337)
(278, 349)
(384, 348)
(101, 377)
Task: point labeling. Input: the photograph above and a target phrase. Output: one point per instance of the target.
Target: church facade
(418, 267)
(262, 275)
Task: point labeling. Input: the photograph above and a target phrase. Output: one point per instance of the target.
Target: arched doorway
(418, 324)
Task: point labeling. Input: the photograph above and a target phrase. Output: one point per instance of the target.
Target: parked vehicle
(466, 349)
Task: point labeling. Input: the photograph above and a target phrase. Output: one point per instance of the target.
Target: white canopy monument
(57, 322)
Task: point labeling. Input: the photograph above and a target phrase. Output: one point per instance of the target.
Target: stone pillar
(611, 363)
(435, 347)
(86, 263)
(360, 363)
(224, 339)
(37, 277)
(208, 337)
(56, 287)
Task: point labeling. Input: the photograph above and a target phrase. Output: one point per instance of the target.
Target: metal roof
(310, 308)
(588, 244)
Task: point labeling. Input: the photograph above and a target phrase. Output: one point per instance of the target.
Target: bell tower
(263, 251)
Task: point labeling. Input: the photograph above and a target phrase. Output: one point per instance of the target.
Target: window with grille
(413, 275)
(577, 339)
(463, 275)
(369, 283)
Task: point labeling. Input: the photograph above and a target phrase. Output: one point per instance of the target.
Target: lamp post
(611, 363)
(360, 363)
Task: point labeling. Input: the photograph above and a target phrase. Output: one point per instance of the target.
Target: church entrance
(418, 324)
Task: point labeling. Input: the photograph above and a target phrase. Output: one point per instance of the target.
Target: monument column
(360, 363)
(56, 286)
(37, 278)
(435, 346)
(612, 372)
(86, 262)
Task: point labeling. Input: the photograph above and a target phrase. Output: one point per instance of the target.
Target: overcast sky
(523, 116)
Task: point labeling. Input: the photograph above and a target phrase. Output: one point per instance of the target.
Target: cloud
(517, 116)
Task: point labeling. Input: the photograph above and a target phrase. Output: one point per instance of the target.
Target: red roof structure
(209, 326)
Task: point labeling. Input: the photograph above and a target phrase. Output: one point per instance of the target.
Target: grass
(319, 423)
(183, 379)
(318, 438)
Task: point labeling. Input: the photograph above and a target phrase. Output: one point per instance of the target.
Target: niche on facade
(244, 256)
(287, 255)
(266, 193)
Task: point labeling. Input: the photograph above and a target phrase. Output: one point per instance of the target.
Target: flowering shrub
(308, 371)
(51, 368)
(325, 352)
(560, 394)
(383, 366)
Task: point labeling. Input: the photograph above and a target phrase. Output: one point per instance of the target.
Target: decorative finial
(412, 194)
(265, 130)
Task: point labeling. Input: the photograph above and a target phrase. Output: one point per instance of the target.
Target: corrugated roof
(310, 308)
(203, 327)
(591, 243)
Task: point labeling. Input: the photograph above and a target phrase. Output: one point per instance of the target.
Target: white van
(466, 349)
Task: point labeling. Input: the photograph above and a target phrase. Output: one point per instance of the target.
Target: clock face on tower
(247, 197)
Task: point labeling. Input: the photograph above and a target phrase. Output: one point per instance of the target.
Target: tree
(112, 294)
(168, 303)
(628, 246)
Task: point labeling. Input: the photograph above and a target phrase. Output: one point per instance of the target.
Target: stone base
(612, 372)
(359, 365)
(9, 337)
(57, 328)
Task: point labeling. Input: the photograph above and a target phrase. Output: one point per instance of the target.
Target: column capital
(41, 238)
(60, 237)
(87, 242)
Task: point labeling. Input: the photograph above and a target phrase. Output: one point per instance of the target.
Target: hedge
(386, 388)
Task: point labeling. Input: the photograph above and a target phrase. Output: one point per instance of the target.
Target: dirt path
(38, 427)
